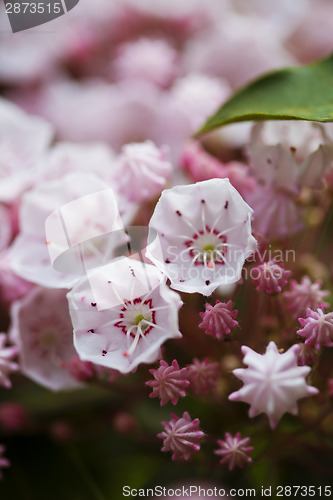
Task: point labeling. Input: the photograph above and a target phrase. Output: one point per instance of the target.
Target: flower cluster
(139, 259)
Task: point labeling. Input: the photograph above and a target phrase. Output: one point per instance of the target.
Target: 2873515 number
(303, 491)
(33, 8)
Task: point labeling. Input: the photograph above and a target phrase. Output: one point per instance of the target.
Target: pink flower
(272, 382)
(203, 235)
(42, 330)
(122, 313)
(141, 170)
(305, 295)
(23, 141)
(317, 328)
(202, 166)
(270, 277)
(153, 60)
(202, 375)
(181, 436)
(234, 450)
(7, 365)
(170, 382)
(3, 461)
(219, 319)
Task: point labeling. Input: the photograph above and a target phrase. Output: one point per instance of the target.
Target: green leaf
(302, 93)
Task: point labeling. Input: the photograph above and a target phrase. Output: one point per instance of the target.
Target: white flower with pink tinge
(280, 152)
(153, 60)
(7, 365)
(203, 235)
(270, 277)
(42, 331)
(65, 157)
(234, 450)
(272, 382)
(181, 436)
(304, 295)
(3, 461)
(317, 328)
(122, 313)
(141, 170)
(23, 141)
(80, 215)
(169, 382)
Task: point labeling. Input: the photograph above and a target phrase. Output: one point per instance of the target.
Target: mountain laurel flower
(153, 60)
(169, 382)
(122, 313)
(270, 277)
(304, 295)
(218, 320)
(141, 170)
(272, 382)
(202, 375)
(181, 436)
(234, 450)
(41, 328)
(7, 365)
(203, 235)
(3, 461)
(317, 328)
(63, 228)
(24, 140)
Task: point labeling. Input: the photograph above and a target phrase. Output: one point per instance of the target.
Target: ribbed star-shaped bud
(181, 436)
(234, 450)
(272, 382)
(169, 382)
(317, 328)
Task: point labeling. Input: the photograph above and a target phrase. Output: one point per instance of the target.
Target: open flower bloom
(67, 226)
(272, 382)
(122, 313)
(23, 141)
(204, 235)
(42, 331)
